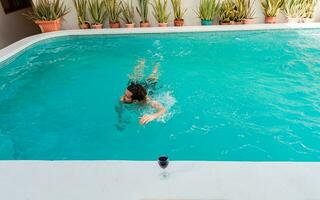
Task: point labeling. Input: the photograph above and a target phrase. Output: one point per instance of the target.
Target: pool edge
(193, 180)
(62, 180)
(20, 45)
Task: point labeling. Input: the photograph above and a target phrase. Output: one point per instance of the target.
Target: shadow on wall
(14, 5)
(15, 26)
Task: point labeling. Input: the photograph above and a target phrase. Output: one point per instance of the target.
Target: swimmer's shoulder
(154, 103)
(149, 100)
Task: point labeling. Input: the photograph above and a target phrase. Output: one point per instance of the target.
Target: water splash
(168, 101)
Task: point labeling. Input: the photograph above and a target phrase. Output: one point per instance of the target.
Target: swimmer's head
(134, 93)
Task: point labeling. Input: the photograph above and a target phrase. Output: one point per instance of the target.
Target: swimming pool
(231, 96)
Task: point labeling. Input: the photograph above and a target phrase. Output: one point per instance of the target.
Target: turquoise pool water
(231, 96)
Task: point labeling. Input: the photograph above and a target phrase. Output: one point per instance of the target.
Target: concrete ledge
(96, 180)
(117, 180)
(24, 43)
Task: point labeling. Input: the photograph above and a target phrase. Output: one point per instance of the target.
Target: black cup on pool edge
(163, 161)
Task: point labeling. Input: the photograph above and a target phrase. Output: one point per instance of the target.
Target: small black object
(163, 161)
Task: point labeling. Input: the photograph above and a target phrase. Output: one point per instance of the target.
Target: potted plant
(271, 9)
(293, 10)
(81, 8)
(178, 12)
(113, 8)
(98, 13)
(128, 14)
(227, 13)
(308, 7)
(249, 12)
(160, 12)
(239, 11)
(143, 11)
(207, 11)
(232, 12)
(47, 14)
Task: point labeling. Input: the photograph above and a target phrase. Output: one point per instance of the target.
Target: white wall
(14, 26)
(70, 21)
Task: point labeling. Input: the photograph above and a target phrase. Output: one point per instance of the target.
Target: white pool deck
(138, 180)
(123, 180)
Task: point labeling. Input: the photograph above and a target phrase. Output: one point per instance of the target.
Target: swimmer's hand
(145, 119)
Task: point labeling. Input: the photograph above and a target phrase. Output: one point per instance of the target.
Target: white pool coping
(15, 48)
(124, 180)
(117, 180)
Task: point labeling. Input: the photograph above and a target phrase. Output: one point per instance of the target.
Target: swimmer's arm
(160, 111)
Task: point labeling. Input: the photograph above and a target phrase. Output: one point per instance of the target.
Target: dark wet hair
(139, 93)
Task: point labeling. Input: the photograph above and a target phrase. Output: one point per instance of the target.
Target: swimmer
(137, 92)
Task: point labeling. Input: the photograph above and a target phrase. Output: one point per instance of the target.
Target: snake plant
(240, 10)
(97, 11)
(249, 10)
(308, 7)
(293, 8)
(233, 11)
(47, 10)
(207, 9)
(271, 8)
(226, 11)
(178, 9)
(81, 8)
(113, 8)
(160, 11)
(143, 10)
(127, 12)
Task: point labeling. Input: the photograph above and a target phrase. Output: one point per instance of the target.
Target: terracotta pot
(248, 21)
(226, 23)
(84, 26)
(163, 24)
(114, 25)
(129, 25)
(308, 20)
(178, 22)
(270, 20)
(96, 26)
(238, 23)
(144, 24)
(49, 26)
(293, 20)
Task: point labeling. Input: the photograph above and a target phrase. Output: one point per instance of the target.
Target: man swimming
(136, 92)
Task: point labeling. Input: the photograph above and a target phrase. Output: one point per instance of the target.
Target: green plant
(143, 10)
(113, 8)
(271, 8)
(207, 9)
(227, 12)
(127, 12)
(97, 11)
(232, 11)
(293, 8)
(47, 10)
(178, 9)
(81, 7)
(160, 11)
(240, 10)
(308, 7)
(249, 11)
